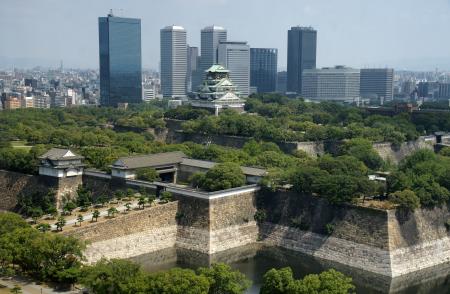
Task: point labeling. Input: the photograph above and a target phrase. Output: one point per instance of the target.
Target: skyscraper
(192, 68)
(120, 60)
(235, 56)
(173, 61)
(377, 83)
(302, 44)
(337, 83)
(210, 38)
(263, 69)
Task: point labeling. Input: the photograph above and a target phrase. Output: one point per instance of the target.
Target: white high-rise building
(337, 83)
(235, 56)
(210, 38)
(173, 61)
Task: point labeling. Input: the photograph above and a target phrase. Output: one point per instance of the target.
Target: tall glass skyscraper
(302, 44)
(263, 69)
(174, 63)
(120, 60)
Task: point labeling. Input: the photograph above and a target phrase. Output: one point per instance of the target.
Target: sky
(404, 34)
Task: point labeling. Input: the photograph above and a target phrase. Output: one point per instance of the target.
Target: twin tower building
(182, 69)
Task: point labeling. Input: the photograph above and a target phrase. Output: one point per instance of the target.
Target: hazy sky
(405, 34)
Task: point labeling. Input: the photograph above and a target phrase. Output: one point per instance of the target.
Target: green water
(254, 261)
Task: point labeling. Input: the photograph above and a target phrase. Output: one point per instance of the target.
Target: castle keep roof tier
(218, 91)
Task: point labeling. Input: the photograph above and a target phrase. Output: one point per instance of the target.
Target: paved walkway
(88, 217)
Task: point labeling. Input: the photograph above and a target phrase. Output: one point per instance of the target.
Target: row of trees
(119, 276)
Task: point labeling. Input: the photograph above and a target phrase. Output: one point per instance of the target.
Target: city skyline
(371, 43)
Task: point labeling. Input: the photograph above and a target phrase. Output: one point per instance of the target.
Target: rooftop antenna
(110, 13)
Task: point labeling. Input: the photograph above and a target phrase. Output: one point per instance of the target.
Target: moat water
(255, 260)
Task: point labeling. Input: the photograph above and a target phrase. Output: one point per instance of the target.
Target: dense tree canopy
(222, 176)
(44, 256)
(282, 282)
(426, 174)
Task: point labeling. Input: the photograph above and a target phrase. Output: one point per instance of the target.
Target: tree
(16, 289)
(119, 194)
(60, 223)
(80, 219)
(84, 196)
(277, 281)
(69, 207)
(128, 206)
(10, 221)
(363, 150)
(223, 279)
(141, 202)
(95, 215)
(223, 176)
(43, 227)
(114, 276)
(112, 211)
(282, 281)
(405, 199)
(148, 174)
(177, 281)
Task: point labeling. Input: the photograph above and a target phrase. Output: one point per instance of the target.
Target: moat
(255, 260)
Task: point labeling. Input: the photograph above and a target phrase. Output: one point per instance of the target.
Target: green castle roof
(217, 68)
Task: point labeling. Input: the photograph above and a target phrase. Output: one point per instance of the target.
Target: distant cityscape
(185, 75)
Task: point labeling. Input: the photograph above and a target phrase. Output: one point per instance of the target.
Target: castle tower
(62, 170)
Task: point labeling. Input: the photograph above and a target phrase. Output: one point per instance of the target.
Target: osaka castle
(217, 92)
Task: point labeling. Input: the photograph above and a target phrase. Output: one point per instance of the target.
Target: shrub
(405, 199)
(260, 216)
(329, 228)
(166, 197)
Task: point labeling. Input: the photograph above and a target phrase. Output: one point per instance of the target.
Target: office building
(377, 83)
(338, 83)
(210, 37)
(149, 93)
(42, 101)
(192, 68)
(173, 62)
(120, 60)
(428, 90)
(282, 82)
(263, 69)
(235, 56)
(27, 102)
(444, 91)
(31, 83)
(408, 87)
(12, 102)
(302, 44)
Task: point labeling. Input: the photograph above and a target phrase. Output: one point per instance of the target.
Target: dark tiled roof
(150, 160)
(248, 171)
(60, 154)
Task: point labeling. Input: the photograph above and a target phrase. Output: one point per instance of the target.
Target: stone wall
(213, 225)
(385, 242)
(395, 154)
(130, 235)
(13, 184)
